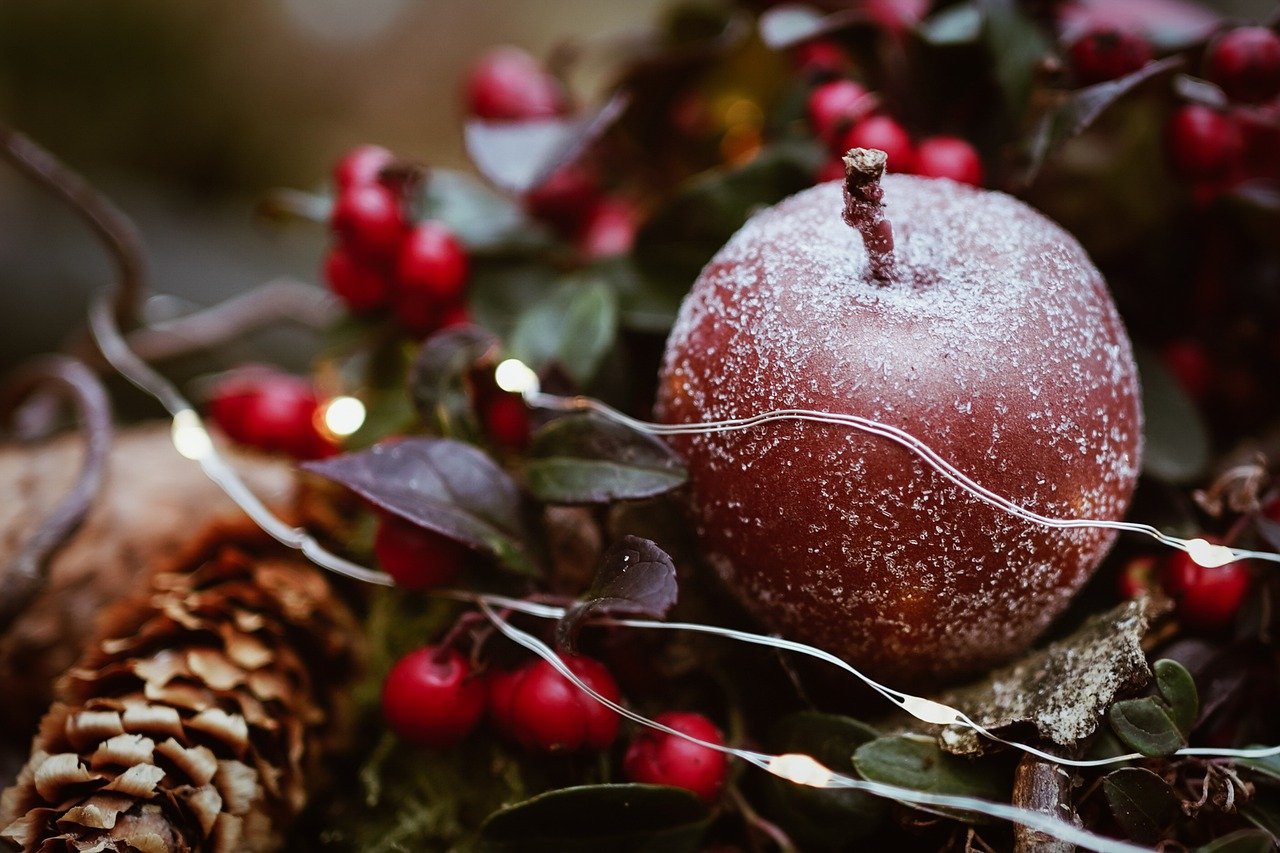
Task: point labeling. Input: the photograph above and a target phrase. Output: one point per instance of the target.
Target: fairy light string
(192, 440)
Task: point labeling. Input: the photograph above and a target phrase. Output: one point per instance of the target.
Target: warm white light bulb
(1208, 554)
(800, 769)
(343, 416)
(515, 377)
(190, 437)
(930, 711)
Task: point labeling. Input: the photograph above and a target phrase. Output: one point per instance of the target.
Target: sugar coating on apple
(987, 333)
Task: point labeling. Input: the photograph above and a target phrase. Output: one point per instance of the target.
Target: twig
(26, 575)
(755, 821)
(1046, 788)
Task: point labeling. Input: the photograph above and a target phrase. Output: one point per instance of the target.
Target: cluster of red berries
(844, 115)
(432, 698)
(1218, 148)
(271, 411)
(1207, 599)
(380, 260)
(507, 84)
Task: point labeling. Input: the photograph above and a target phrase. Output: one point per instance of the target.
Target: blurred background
(186, 113)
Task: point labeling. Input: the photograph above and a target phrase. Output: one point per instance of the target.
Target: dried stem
(26, 575)
(1046, 788)
(864, 208)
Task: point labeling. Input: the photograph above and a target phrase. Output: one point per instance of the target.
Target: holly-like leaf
(1178, 689)
(1143, 804)
(636, 578)
(440, 379)
(447, 486)
(1241, 841)
(520, 155)
(573, 327)
(599, 817)
(819, 818)
(1176, 446)
(919, 764)
(586, 459)
(1145, 726)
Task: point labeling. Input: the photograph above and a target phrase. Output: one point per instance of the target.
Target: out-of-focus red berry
(835, 105)
(1187, 361)
(361, 165)
(948, 157)
(431, 277)
(506, 420)
(1207, 598)
(1203, 143)
(363, 287)
(821, 58)
(271, 411)
(369, 221)
(882, 132)
(1138, 576)
(1245, 63)
(507, 84)
(429, 698)
(416, 558)
(565, 199)
(1107, 54)
(608, 230)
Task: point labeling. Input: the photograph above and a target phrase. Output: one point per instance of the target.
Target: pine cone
(198, 718)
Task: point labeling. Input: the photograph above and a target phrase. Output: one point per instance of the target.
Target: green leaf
(585, 459)
(1176, 443)
(1178, 689)
(628, 818)
(1263, 811)
(1145, 726)
(1241, 841)
(815, 817)
(1017, 47)
(1143, 804)
(482, 219)
(1268, 767)
(648, 303)
(919, 764)
(958, 24)
(573, 327)
(504, 288)
(441, 379)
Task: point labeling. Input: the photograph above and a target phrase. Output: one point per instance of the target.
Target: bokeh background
(186, 113)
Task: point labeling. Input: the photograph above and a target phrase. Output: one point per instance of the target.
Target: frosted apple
(961, 316)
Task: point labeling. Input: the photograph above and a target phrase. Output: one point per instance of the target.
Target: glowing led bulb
(343, 416)
(190, 437)
(1208, 554)
(515, 377)
(930, 711)
(800, 769)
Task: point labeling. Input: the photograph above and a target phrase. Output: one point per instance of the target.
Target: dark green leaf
(481, 218)
(440, 379)
(636, 578)
(1179, 690)
(1263, 811)
(1268, 767)
(1177, 443)
(574, 327)
(1143, 804)
(958, 24)
(919, 764)
(814, 817)
(648, 303)
(1016, 46)
(629, 818)
(1241, 841)
(504, 288)
(446, 486)
(1145, 726)
(585, 459)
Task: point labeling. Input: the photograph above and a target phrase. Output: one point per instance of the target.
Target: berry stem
(864, 208)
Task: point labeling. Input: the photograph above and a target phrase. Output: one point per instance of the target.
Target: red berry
(274, 412)
(821, 58)
(1203, 143)
(609, 229)
(508, 84)
(1245, 63)
(835, 105)
(369, 221)
(658, 758)
(1207, 598)
(361, 165)
(886, 134)
(541, 709)
(455, 315)
(506, 420)
(1137, 577)
(565, 199)
(948, 157)
(428, 698)
(362, 287)
(1106, 54)
(1187, 361)
(415, 557)
(431, 276)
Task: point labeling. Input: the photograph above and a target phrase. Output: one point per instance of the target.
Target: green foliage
(1142, 803)
(573, 327)
(1178, 689)
(585, 459)
(1145, 726)
(919, 764)
(1176, 445)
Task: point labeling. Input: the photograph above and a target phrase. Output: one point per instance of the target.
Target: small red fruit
(1207, 598)
(948, 157)
(369, 221)
(1189, 364)
(1203, 143)
(429, 699)
(1107, 54)
(508, 84)
(658, 758)
(362, 287)
(835, 105)
(431, 276)
(885, 134)
(361, 165)
(609, 229)
(415, 557)
(564, 199)
(506, 420)
(1245, 63)
(271, 411)
(821, 58)
(542, 710)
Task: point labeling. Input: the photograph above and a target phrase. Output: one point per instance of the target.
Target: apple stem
(864, 208)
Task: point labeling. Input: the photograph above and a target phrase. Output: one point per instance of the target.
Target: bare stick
(1046, 788)
(864, 208)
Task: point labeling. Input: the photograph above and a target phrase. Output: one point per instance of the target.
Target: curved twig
(112, 226)
(26, 575)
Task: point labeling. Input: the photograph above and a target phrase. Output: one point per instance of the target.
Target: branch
(1046, 788)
